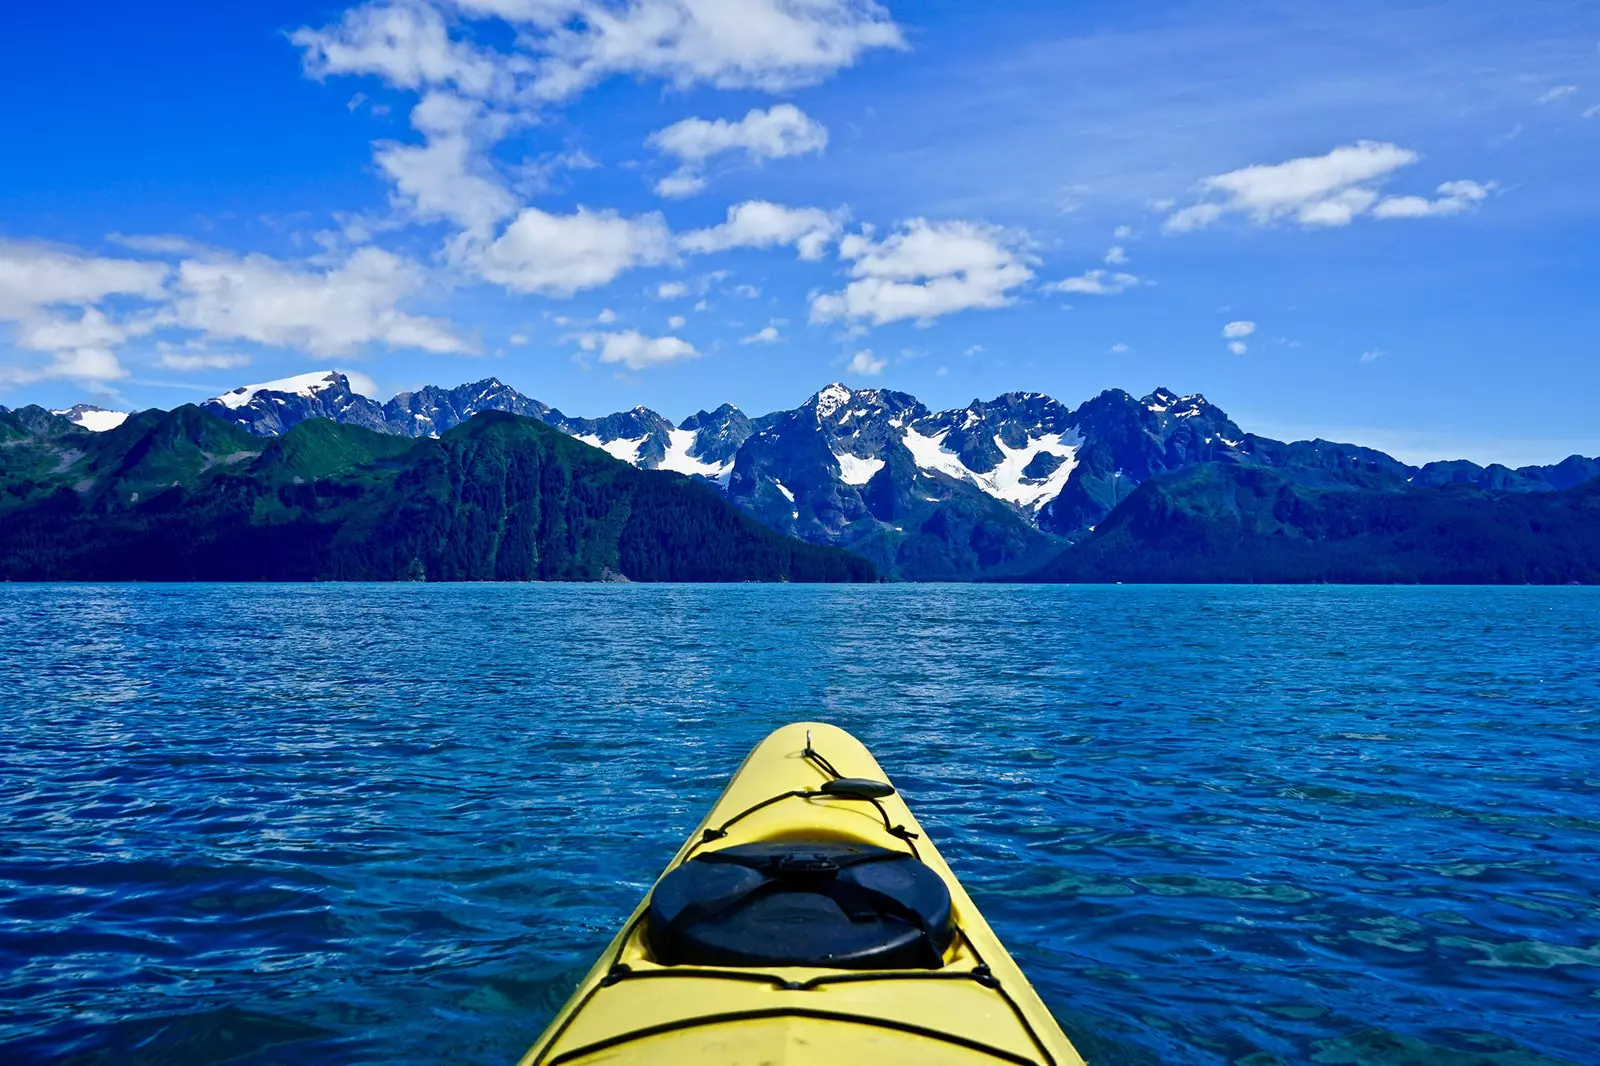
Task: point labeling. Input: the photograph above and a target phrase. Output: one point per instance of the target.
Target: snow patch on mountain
(94, 419)
(100, 421)
(679, 461)
(1007, 481)
(929, 453)
(854, 470)
(626, 450)
(299, 385)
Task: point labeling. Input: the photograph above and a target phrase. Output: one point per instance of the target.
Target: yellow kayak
(808, 920)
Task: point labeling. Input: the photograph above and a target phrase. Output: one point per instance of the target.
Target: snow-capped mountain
(973, 489)
(1128, 441)
(704, 445)
(432, 410)
(990, 486)
(993, 487)
(95, 419)
(276, 406)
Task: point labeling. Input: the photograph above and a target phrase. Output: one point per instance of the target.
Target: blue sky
(1370, 221)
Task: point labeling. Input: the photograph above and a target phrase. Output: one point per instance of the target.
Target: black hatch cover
(801, 903)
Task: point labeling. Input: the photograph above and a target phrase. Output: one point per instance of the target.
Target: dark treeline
(181, 497)
(1225, 524)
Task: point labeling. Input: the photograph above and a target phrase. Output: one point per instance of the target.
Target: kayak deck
(975, 1007)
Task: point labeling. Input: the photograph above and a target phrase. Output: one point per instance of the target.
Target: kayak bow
(808, 920)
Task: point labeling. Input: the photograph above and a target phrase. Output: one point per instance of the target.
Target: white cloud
(158, 243)
(518, 340)
(557, 255)
(323, 312)
(1234, 333)
(606, 316)
(36, 276)
(1117, 255)
(1593, 112)
(91, 329)
(1372, 355)
(1454, 198)
(1325, 190)
(677, 322)
(562, 47)
(538, 175)
(1339, 209)
(773, 45)
(679, 185)
(449, 176)
(782, 131)
(760, 224)
(976, 349)
(672, 290)
(360, 384)
(1118, 348)
(925, 270)
(40, 283)
(866, 364)
(1560, 92)
(747, 292)
(87, 365)
(1098, 283)
(1123, 233)
(409, 46)
(765, 335)
(635, 351)
(187, 361)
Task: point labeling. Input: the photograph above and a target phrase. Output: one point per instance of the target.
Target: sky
(1375, 222)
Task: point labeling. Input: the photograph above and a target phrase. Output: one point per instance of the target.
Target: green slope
(37, 449)
(1226, 523)
(498, 498)
(155, 450)
(321, 448)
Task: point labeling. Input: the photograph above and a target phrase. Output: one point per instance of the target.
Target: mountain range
(1024, 486)
(183, 496)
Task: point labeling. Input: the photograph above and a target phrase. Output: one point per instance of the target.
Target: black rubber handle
(858, 788)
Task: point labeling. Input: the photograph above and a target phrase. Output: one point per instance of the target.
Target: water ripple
(353, 824)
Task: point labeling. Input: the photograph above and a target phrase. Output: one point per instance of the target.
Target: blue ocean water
(395, 824)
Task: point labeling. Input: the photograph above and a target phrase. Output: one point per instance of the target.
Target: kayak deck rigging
(968, 1004)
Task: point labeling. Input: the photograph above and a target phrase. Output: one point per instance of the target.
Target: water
(364, 824)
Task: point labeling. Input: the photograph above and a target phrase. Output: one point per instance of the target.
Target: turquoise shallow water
(364, 824)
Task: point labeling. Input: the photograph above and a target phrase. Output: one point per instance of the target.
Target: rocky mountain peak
(1161, 400)
(716, 435)
(702, 419)
(273, 407)
(829, 400)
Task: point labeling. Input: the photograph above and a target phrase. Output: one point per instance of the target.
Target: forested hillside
(1221, 522)
(183, 496)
